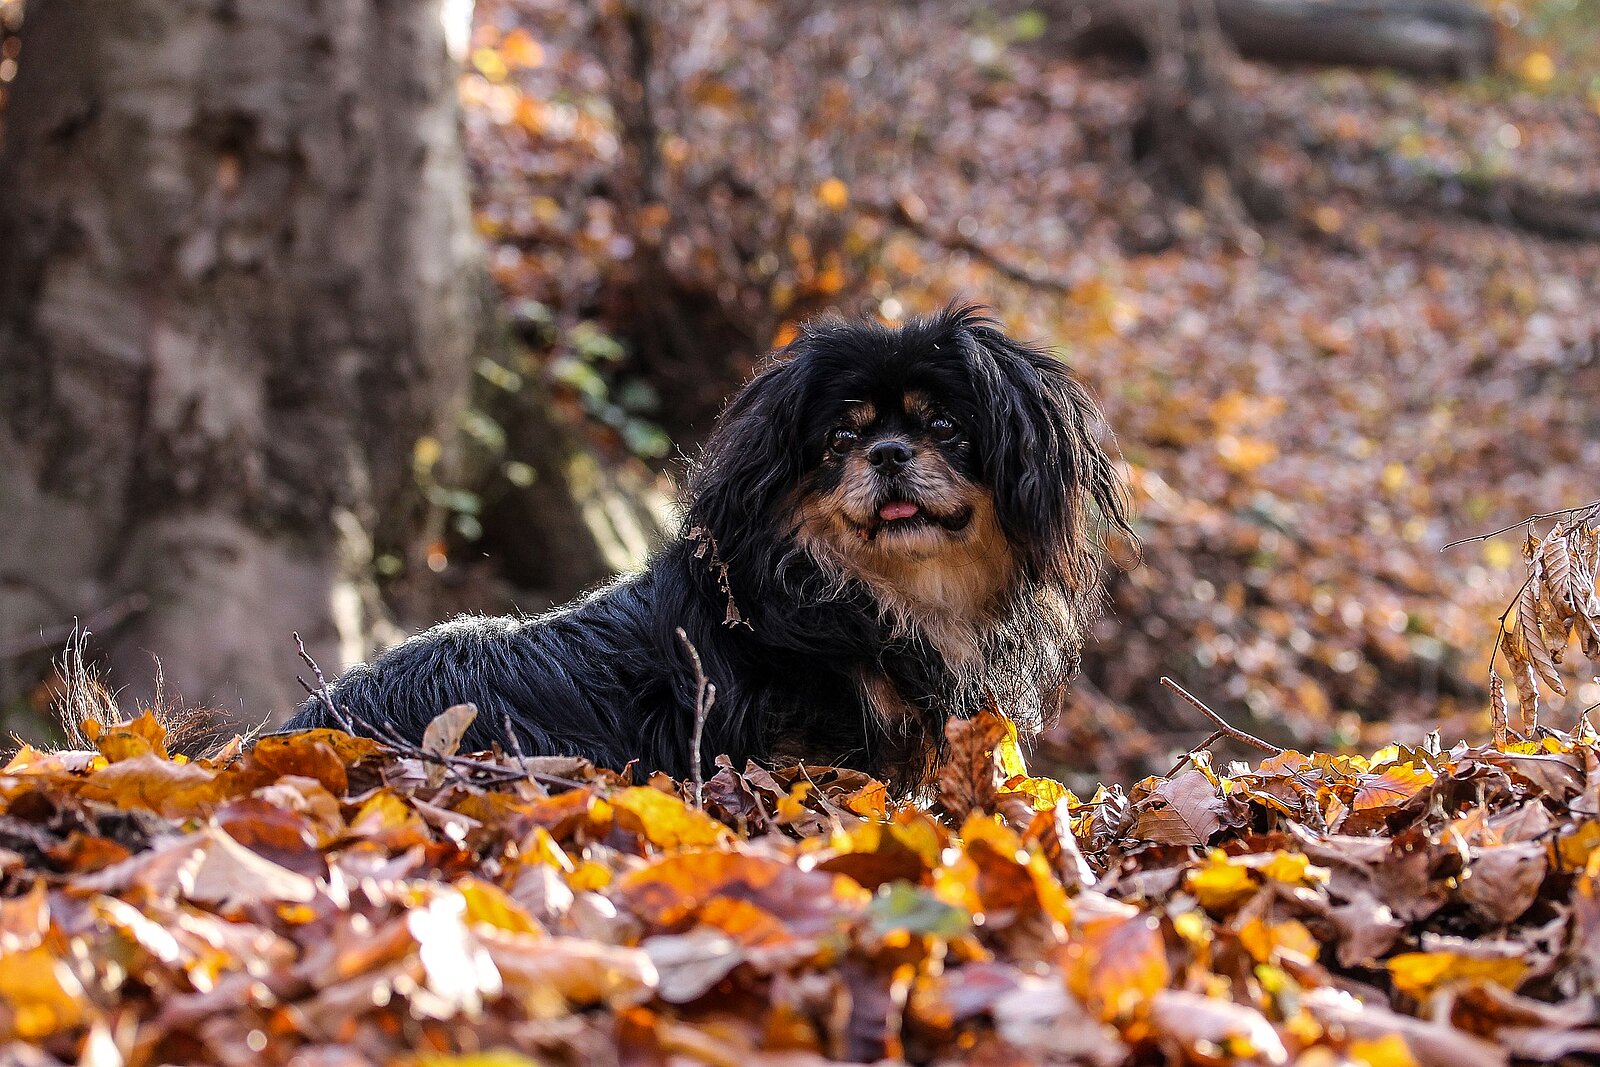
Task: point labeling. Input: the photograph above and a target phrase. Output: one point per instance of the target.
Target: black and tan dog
(888, 528)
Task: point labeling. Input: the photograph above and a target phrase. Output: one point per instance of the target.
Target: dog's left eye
(840, 440)
(943, 428)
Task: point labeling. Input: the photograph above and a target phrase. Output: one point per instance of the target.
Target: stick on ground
(1222, 724)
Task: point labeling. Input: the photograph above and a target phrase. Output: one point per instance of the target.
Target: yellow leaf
(489, 64)
(589, 876)
(497, 1058)
(1292, 868)
(833, 194)
(426, 452)
(1009, 754)
(1043, 793)
(793, 806)
(40, 993)
(388, 819)
(489, 904)
(1271, 942)
(1390, 1050)
(1538, 67)
(1222, 884)
(1417, 974)
(664, 820)
(1576, 848)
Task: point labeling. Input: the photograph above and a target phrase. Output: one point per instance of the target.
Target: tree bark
(1452, 38)
(238, 281)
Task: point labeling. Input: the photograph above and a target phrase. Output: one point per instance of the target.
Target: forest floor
(1310, 407)
(321, 899)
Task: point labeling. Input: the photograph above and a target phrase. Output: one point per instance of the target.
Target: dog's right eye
(840, 440)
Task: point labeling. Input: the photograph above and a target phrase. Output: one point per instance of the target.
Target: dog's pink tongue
(890, 512)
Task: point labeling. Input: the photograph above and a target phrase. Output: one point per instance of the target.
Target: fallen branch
(1590, 508)
(913, 217)
(1223, 726)
(1216, 736)
(321, 692)
(385, 735)
(1451, 38)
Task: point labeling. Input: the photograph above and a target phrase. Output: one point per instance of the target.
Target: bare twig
(1216, 736)
(386, 735)
(514, 740)
(914, 221)
(321, 691)
(1222, 724)
(1591, 507)
(705, 695)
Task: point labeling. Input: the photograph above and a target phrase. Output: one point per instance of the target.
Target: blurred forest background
(342, 318)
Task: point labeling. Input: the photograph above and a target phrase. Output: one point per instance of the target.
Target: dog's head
(942, 467)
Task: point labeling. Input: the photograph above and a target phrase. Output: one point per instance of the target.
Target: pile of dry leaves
(320, 899)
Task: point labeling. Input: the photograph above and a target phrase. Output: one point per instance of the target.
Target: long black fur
(607, 678)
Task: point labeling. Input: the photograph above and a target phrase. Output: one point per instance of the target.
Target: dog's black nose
(889, 456)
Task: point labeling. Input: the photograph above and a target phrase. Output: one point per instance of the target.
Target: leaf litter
(319, 898)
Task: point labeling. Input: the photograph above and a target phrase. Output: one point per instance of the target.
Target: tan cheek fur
(940, 584)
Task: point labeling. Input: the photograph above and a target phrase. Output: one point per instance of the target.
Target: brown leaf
(230, 875)
(1501, 883)
(1185, 810)
(1205, 1026)
(690, 964)
(443, 737)
(1118, 964)
(971, 775)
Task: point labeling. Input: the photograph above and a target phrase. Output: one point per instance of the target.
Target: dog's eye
(943, 428)
(840, 440)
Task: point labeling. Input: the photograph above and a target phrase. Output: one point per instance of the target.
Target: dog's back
(575, 681)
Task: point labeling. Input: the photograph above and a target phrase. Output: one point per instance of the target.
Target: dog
(889, 528)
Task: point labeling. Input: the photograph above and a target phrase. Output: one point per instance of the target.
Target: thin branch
(897, 215)
(1591, 506)
(1222, 724)
(705, 695)
(321, 692)
(387, 736)
(514, 740)
(1216, 736)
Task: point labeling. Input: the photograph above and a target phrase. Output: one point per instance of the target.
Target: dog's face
(941, 466)
(895, 498)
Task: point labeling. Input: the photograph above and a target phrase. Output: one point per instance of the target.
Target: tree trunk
(238, 282)
(1453, 38)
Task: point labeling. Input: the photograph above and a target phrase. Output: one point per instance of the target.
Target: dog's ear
(753, 460)
(1055, 489)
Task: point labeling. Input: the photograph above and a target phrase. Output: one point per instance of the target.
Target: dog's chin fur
(946, 586)
(834, 634)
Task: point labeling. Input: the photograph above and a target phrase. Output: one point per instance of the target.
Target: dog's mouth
(899, 517)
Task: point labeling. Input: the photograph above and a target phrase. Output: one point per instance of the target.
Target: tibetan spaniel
(889, 528)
